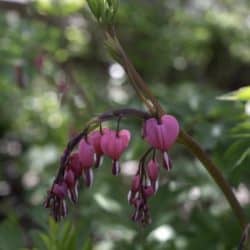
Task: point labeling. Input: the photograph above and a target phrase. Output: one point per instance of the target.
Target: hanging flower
(94, 139)
(113, 144)
(161, 134)
(87, 160)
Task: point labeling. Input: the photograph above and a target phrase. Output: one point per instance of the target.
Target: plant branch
(216, 174)
(185, 139)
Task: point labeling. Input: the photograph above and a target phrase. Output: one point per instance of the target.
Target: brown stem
(184, 138)
(216, 174)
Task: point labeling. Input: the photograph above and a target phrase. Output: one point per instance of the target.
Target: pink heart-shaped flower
(161, 134)
(113, 144)
(94, 139)
(86, 154)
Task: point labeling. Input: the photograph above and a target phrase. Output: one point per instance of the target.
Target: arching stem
(145, 94)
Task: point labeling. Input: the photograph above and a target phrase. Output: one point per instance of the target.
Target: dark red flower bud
(60, 190)
(69, 178)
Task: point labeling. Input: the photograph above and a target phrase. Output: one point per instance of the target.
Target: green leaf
(242, 94)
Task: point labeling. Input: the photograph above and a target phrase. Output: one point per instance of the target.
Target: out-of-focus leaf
(242, 94)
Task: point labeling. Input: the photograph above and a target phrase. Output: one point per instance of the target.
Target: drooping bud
(74, 164)
(94, 139)
(69, 178)
(148, 191)
(60, 190)
(153, 170)
(135, 183)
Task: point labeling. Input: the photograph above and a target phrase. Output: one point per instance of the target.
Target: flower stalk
(154, 107)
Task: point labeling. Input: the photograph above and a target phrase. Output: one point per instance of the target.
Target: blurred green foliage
(194, 55)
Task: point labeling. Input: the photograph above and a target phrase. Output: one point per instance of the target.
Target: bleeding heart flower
(94, 139)
(161, 134)
(74, 164)
(69, 178)
(86, 154)
(113, 144)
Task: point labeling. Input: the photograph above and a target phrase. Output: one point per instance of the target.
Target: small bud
(75, 165)
(69, 178)
(60, 190)
(148, 191)
(153, 170)
(135, 183)
(86, 154)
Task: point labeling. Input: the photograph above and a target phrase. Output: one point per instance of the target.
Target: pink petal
(113, 145)
(135, 183)
(162, 136)
(172, 128)
(148, 191)
(75, 164)
(153, 135)
(125, 136)
(94, 139)
(60, 190)
(69, 178)
(86, 154)
(153, 170)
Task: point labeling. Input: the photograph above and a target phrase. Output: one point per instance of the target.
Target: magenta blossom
(94, 139)
(153, 174)
(72, 185)
(161, 134)
(86, 154)
(60, 190)
(57, 198)
(74, 164)
(113, 144)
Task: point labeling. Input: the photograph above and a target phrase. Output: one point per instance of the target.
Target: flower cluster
(160, 134)
(92, 146)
